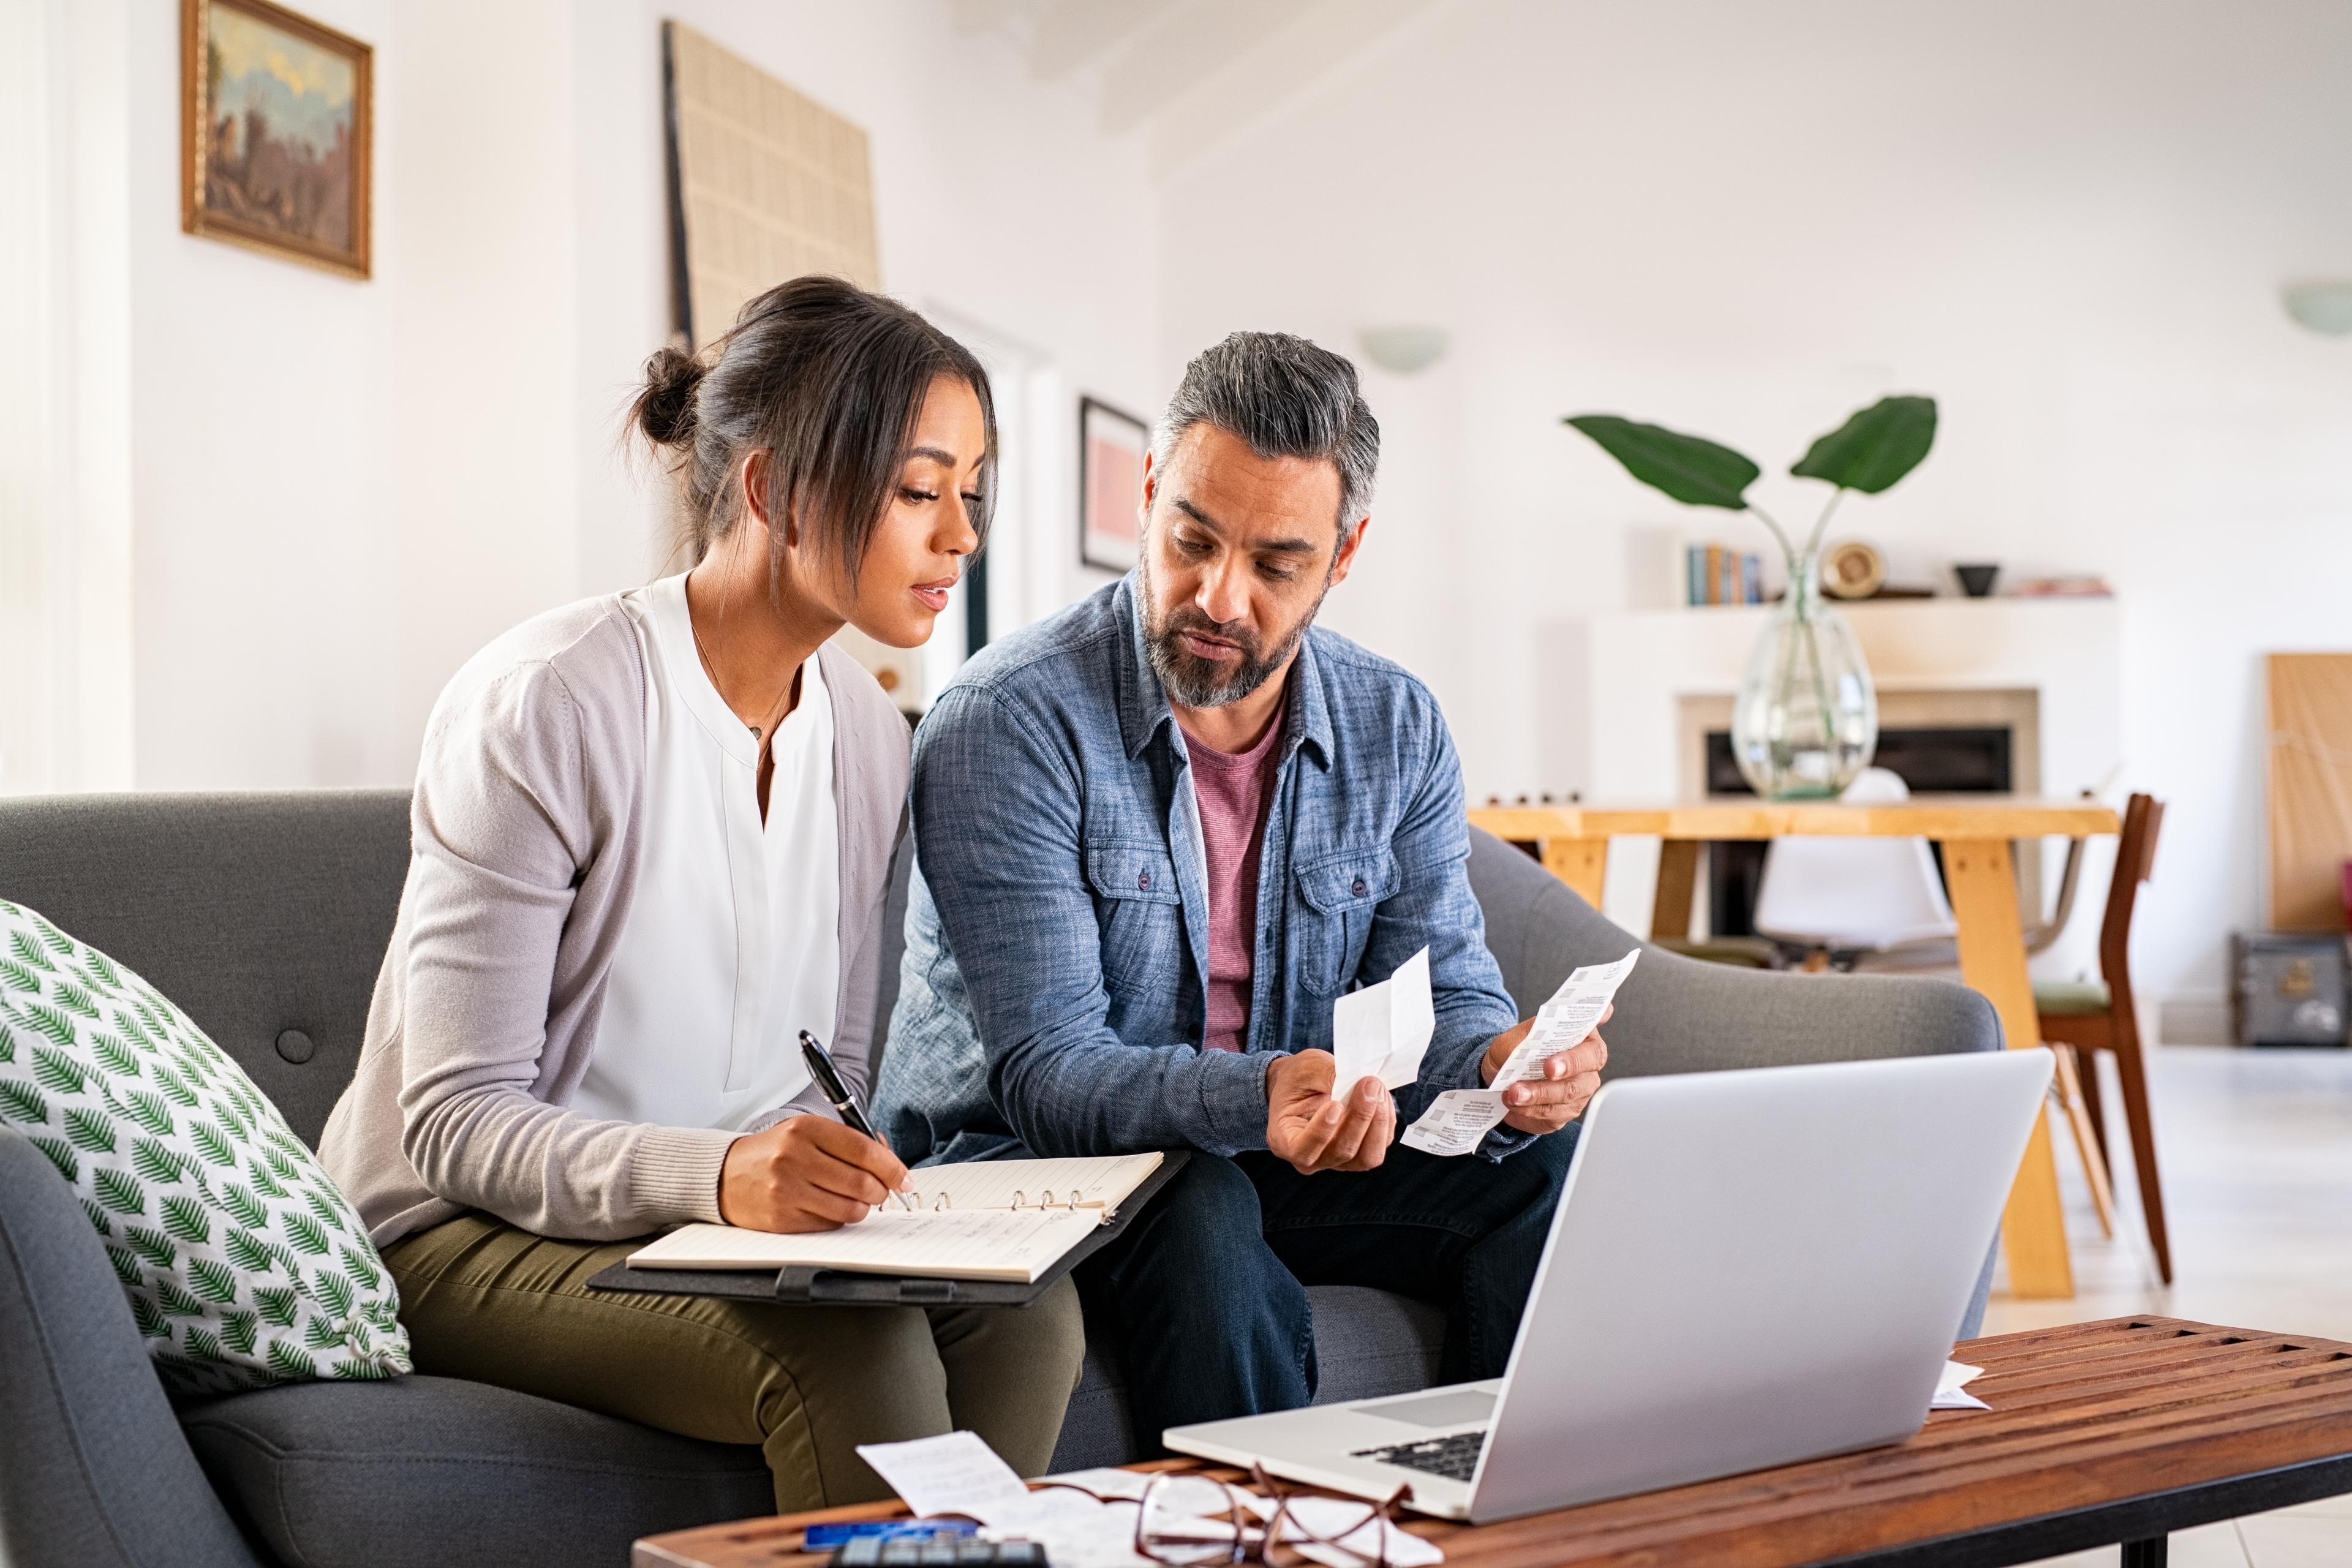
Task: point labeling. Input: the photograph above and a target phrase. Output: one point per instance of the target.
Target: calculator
(946, 1551)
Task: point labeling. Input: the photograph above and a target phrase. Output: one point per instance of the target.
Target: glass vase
(1806, 719)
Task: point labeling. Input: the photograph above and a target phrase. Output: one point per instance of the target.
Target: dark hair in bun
(829, 380)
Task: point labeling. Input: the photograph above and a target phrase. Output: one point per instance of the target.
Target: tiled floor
(2256, 1151)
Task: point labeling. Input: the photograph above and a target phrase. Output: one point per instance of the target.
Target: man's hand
(1569, 1079)
(1316, 1132)
(805, 1173)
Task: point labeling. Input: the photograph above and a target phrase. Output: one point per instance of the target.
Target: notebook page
(948, 1245)
(1102, 1179)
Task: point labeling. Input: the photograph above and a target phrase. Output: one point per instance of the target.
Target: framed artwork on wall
(1110, 485)
(275, 118)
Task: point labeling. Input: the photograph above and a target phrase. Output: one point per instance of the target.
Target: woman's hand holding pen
(806, 1173)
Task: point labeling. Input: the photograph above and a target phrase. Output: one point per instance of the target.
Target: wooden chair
(2098, 1016)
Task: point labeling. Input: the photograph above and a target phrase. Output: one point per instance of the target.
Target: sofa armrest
(1682, 1015)
(93, 1469)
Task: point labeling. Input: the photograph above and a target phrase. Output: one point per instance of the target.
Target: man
(1158, 835)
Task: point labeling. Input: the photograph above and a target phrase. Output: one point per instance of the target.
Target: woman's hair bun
(665, 409)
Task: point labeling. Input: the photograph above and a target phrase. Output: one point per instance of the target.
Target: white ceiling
(1191, 73)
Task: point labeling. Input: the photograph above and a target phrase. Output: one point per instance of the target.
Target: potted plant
(1806, 719)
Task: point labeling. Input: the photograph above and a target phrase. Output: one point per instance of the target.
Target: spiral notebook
(1008, 1220)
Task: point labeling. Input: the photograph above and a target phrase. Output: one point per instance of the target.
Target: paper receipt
(1457, 1120)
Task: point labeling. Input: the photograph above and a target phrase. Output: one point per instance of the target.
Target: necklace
(712, 671)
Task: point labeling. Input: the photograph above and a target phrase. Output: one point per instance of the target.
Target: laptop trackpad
(1452, 1408)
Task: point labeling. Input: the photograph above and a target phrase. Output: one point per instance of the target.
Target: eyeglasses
(1191, 1522)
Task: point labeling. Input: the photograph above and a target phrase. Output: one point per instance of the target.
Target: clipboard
(800, 1286)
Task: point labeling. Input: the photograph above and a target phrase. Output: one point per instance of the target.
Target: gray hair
(1286, 397)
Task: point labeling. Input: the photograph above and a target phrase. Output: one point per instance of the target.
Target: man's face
(1238, 551)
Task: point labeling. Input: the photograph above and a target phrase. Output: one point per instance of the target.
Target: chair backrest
(1867, 893)
(263, 917)
(2134, 863)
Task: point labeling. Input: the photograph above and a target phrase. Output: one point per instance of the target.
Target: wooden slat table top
(1950, 817)
(2081, 1416)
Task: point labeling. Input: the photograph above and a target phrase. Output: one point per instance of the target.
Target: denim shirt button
(1143, 880)
(1359, 889)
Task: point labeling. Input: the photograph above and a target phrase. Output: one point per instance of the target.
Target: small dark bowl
(1977, 580)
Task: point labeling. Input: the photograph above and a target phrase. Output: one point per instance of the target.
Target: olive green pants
(485, 1300)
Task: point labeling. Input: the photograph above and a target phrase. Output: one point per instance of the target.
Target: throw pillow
(244, 1262)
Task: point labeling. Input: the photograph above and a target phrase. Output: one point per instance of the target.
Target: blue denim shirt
(1057, 932)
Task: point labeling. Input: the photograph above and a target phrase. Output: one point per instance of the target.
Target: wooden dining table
(1977, 833)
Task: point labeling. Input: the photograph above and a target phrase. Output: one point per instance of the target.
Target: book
(1751, 579)
(1714, 573)
(985, 1219)
(1694, 574)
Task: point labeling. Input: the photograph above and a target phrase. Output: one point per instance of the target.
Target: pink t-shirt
(1231, 791)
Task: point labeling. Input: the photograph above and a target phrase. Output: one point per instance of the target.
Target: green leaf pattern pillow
(244, 1262)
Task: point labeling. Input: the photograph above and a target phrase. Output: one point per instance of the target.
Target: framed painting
(275, 114)
(1110, 485)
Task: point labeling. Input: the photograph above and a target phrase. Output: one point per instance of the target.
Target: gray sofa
(265, 917)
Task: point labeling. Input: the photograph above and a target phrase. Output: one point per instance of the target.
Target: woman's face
(926, 532)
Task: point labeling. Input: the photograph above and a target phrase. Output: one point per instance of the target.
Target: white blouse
(733, 942)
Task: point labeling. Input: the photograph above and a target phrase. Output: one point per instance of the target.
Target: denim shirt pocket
(1333, 919)
(1140, 912)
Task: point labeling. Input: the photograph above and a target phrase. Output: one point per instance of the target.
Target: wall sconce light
(1404, 350)
(2323, 304)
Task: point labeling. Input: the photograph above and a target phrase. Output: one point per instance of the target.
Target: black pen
(829, 1084)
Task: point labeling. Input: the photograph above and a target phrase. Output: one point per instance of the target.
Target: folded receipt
(1457, 1120)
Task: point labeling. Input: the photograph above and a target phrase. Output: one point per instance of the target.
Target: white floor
(2255, 1148)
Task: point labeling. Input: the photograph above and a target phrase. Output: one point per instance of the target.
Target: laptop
(1745, 1268)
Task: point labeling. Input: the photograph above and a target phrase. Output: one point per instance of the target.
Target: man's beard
(1192, 682)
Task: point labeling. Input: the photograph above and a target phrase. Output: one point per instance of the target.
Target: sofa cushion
(435, 1470)
(244, 1263)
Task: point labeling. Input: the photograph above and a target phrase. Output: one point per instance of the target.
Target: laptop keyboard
(1455, 1457)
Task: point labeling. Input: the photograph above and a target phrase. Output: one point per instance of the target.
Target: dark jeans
(1209, 1284)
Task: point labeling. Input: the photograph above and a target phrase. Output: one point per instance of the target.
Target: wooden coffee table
(2099, 1433)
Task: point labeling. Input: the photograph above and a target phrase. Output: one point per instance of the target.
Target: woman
(652, 838)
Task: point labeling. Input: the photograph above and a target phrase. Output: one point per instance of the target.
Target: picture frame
(277, 117)
(1111, 447)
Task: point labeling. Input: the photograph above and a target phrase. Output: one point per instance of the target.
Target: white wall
(2068, 223)
(342, 488)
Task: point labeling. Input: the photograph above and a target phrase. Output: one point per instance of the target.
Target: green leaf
(363, 1268)
(179, 1091)
(50, 1021)
(90, 1130)
(1690, 468)
(305, 1233)
(148, 1110)
(212, 1143)
(57, 1072)
(277, 1305)
(101, 969)
(134, 1029)
(330, 1214)
(246, 1208)
(126, 1267)
(320, 1335)
(54, 939)
(60, 1156)
(15, 976)
(336, 1292)
(361, 1370)
(232, 1116)
(1875, 447)
(288, 1361)
(114, 1055)
(246, 1251)
(156, 1163)
(74, 999)
(7, 1046)
(153, 1245)
(177, 1302)
(216, 1281)
(265, 1182)
(201, 1346)
(286, 1170)
(24, 1103)
(29, 952)
(186, 1220)
(120, 1193)
(241, 1332)
(97, 1220)
(151, 1322)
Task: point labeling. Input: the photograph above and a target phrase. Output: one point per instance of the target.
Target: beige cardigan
(525, 832)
